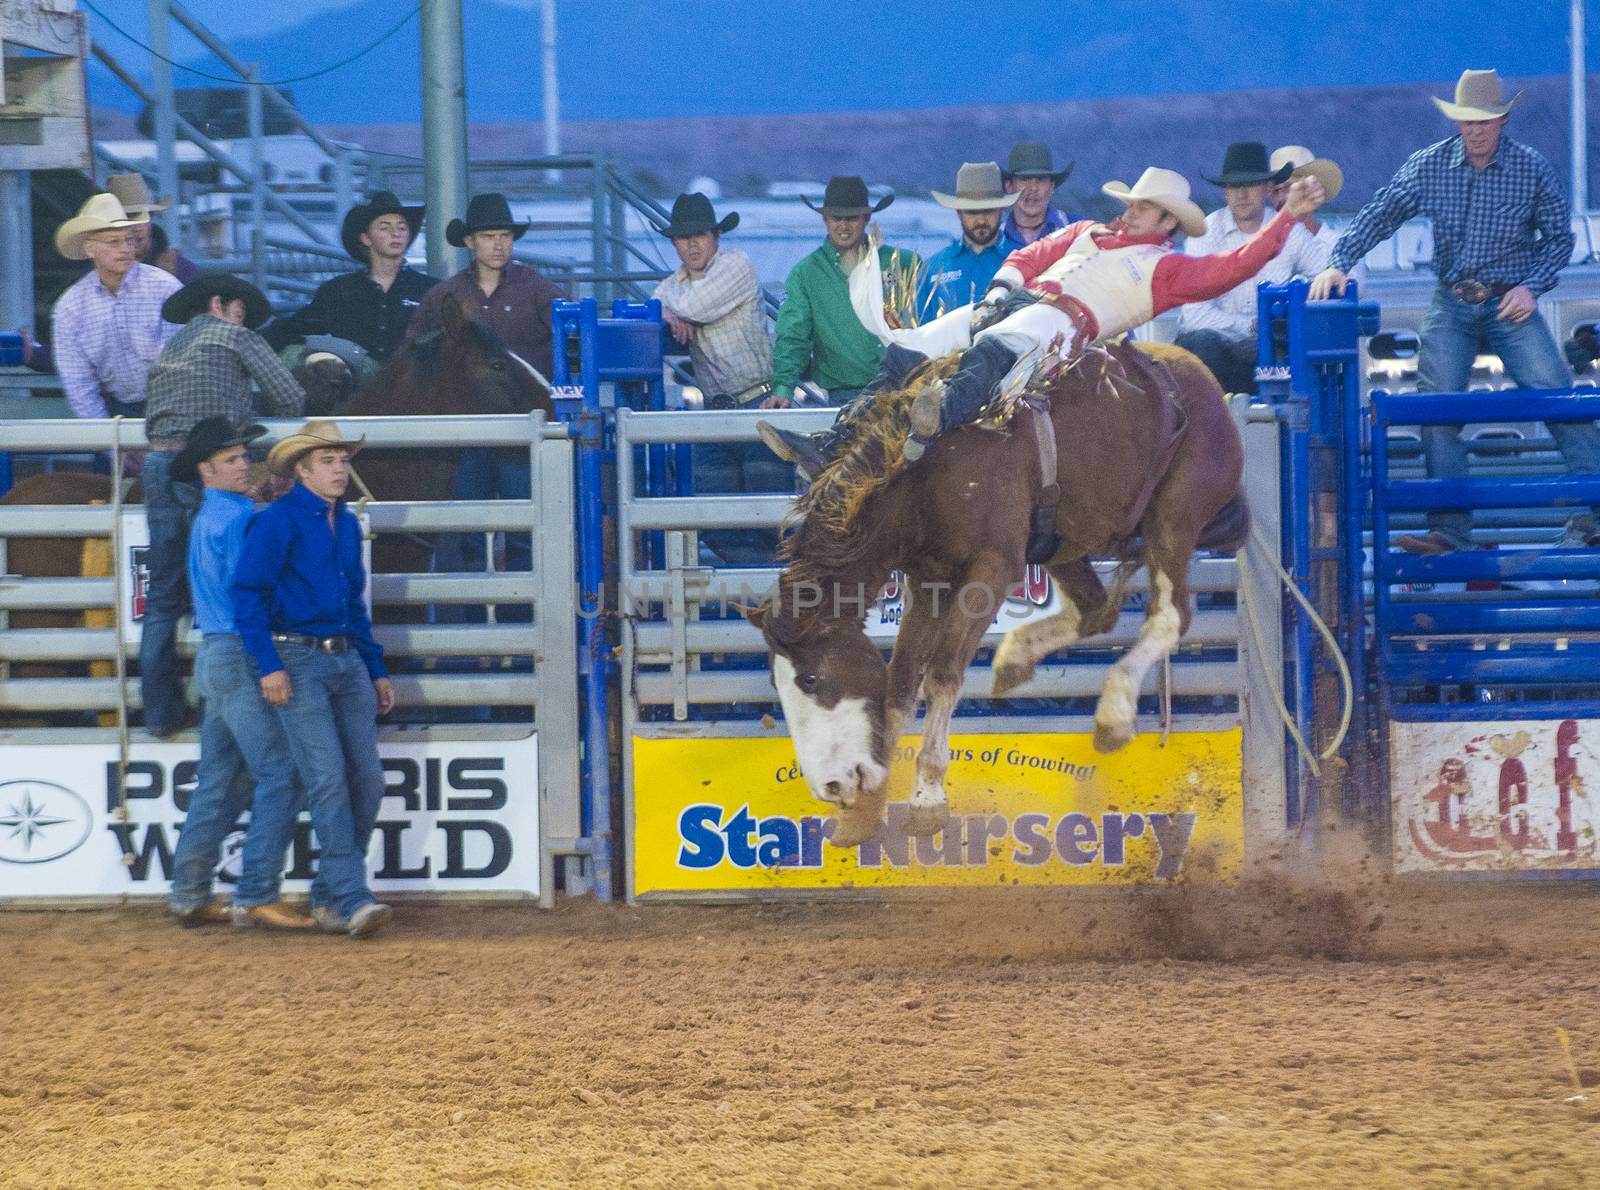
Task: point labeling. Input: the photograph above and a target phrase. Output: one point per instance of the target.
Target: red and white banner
(1495, 796)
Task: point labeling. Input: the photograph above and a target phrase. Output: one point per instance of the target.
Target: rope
(118, 546)
(1346, 683)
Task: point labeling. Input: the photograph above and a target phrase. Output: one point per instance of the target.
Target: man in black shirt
(370, 308)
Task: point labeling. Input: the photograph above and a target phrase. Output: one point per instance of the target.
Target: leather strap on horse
(1043, 539)
(1153, 377)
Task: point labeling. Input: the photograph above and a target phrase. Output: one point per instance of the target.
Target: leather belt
(1475, 293)
(327, 644)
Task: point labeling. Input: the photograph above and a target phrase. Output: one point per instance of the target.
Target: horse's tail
(1226, 532)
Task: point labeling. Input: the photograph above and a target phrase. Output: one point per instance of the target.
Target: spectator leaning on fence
(300, 609)
(1502, 231)
(818, 334)
(149, 240)
(1222, 331)
(373, 306)
(106, 329)
(244, 757)
(204, 371)
(1031, 175)
(959, 273)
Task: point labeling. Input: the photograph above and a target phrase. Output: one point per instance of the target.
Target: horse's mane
(427, 350)
(824, 532)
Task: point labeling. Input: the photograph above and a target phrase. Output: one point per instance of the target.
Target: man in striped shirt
(1501, 232)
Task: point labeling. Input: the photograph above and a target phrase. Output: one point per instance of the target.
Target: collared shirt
(1054, 220)
(1508, 223)
(104, 342)
(215, 541)
(205, 371)
(1233, 315)
(956, 275)
(353, 306)
(818, 331)
(730, 348)
(518, 311)
(298, 575)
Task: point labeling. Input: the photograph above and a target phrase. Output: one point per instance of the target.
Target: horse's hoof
(1111, 737)
(922, 821)
(1008, 676)
(855, 827)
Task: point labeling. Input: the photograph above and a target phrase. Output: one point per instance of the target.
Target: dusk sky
(641, 58)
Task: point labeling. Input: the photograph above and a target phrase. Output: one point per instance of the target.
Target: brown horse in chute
(957, 523)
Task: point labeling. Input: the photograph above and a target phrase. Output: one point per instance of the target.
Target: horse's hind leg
(1024, 646)
(1165, 618)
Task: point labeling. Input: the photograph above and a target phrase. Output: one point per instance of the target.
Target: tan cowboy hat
(1307, 166)
(1169, 190)
(133, 194)
(101, 213)
(314, 435)
(1478, 97)
(979, 187)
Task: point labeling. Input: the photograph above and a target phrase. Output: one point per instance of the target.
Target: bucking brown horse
(957, 523)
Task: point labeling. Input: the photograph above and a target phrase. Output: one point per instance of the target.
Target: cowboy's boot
(812, 452)
(940, 408)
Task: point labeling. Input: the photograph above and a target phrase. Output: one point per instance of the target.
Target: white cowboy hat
(317, 434)
(1478, 97)
(1169, 190)
(979, 187)
(101, 213)
(1307, 166)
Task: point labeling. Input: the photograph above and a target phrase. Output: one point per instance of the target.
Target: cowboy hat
(101, 213)
(847, 197)
(1478, 97)
(1169, 190)
(692, 216)
(208, 437)
(486, 212)
(1245, 164)
(978, 188)
(1304, 165)
(359, 217)
(314, 435)
(1031, 159)
(133, 194)
(195, 298)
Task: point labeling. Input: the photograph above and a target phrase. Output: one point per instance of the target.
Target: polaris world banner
(457, 816)
(736, 815)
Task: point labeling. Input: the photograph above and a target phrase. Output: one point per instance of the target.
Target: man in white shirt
(1222, 332)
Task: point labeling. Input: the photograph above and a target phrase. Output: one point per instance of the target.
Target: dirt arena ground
(1255, 1036)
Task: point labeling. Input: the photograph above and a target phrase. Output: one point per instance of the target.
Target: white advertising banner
(457, 816)
(1495, 796)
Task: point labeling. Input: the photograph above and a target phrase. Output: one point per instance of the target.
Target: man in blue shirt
(1502, 230)
(240, 738)
(1033, 178)
(299, 604)
(959, 275)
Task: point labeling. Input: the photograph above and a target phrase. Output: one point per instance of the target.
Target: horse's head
(830, 679)
(467, 369)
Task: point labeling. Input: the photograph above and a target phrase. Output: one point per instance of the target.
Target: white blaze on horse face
(833, 744)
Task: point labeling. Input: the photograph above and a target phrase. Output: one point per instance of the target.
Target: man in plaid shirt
(203, 372)
(1501, 232)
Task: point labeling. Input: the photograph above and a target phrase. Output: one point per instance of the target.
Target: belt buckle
(1474, 293)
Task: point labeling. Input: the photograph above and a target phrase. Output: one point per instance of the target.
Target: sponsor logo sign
(1494, 796)
(736, 814)
(457, 816)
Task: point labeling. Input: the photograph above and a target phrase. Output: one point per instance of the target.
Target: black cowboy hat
(486, 212)
(1031, 159)
(208, 437)
(1245, 164)
(847, 197)
(359, 217)
(692, 216)
(196, 296)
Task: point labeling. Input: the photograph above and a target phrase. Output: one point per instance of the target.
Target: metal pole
(1580, 115)
(552, 91)
(166, 115)
(16, 249)
(444, 129)
(343, 183)
(258, 184)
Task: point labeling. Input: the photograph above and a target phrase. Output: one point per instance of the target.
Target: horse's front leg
(1119, 698)
(968, 611)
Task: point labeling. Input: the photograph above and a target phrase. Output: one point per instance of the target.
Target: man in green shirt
(818, 332)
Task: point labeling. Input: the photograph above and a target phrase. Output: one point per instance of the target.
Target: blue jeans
(725, 468)
(487, 473)
(241, 749)
(332, 727)
(169, 509)
(1451, 332)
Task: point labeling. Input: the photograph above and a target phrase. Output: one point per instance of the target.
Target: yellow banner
(735, 814)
